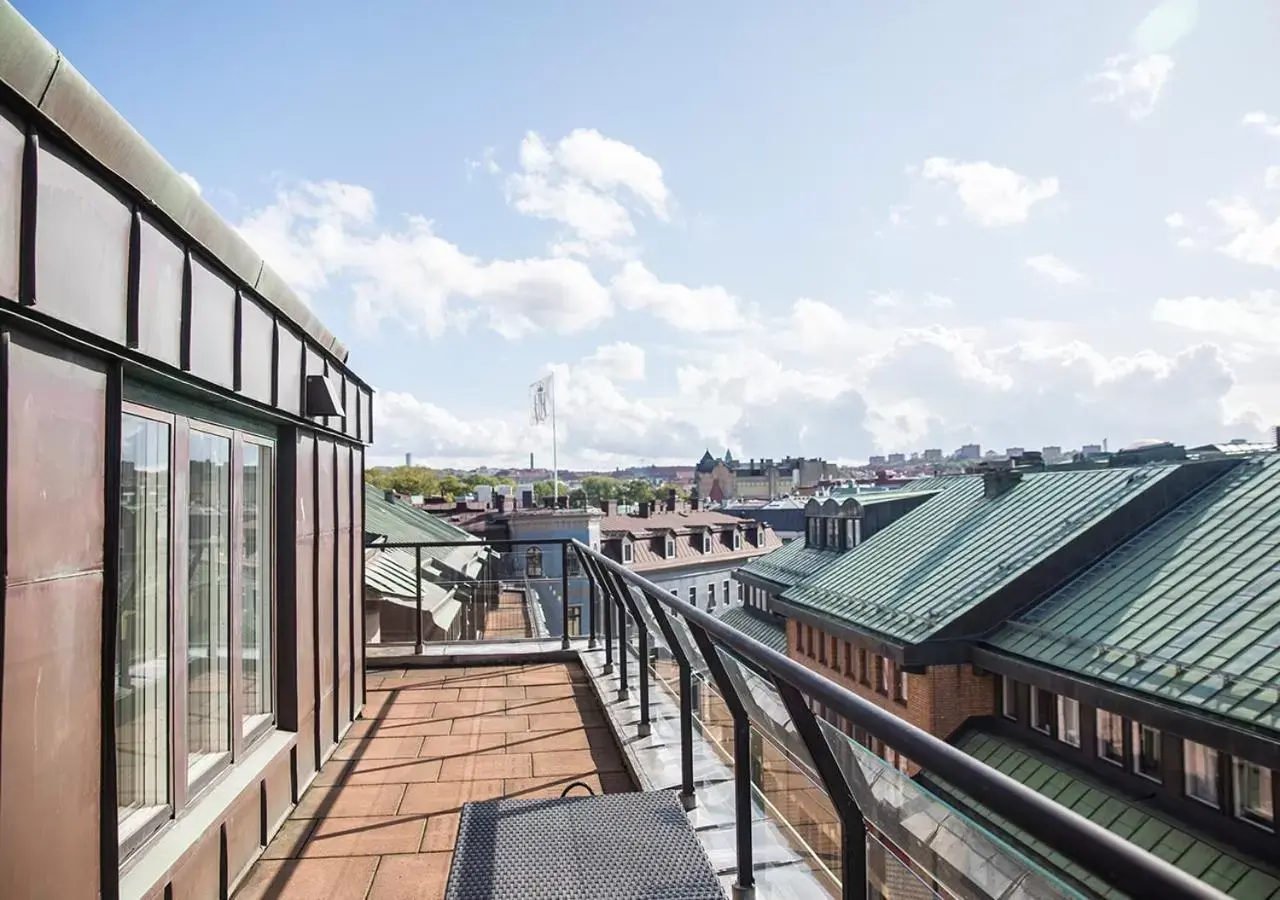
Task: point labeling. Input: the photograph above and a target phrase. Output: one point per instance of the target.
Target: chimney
(562, 502)
(645, 508)
(548, 503)
(460, 505)
(609, 507)
(526, 500)
(501, 500)
(1277, 435)
(671, 493)
(997, 482)
(389, 496)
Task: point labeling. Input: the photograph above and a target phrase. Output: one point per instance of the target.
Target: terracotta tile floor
(509, 619)
(379, 821)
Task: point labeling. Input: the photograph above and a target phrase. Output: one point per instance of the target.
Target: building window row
(197, 505)
(1203, 775)
(889, 680)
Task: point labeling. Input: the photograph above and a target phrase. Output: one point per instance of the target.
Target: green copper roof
(763, 627)
(790, 563)
(1082, 794)
(1188, 610)
(398, 521)
(942, 559)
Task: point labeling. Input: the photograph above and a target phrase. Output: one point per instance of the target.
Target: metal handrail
(1110, 857)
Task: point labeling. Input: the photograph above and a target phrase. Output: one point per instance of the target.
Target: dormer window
(706, 542)
(670, 543)
(833, 534)
(813, 527)
(626, 552)
(737, 539)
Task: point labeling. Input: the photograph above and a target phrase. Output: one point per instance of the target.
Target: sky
(825, 229)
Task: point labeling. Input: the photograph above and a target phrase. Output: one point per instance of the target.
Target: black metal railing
(626, 616)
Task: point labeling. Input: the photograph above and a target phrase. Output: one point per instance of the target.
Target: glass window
(902, 686)
(1254, 800)
(884, 674)
(706, 542)
(1042, 710)
(1110, 737)
(1200, 766)
(833, 534)
(711, 596)
(208, 606)
(626, 552)
(142, 626)
(822, 647)
(1008, 699)
(1146, 751)
(862, 666)
(671, 546)
(737, 540)
(725, 586)
(693, 596)
(533, 562)
(1069, 721)
(257, 481)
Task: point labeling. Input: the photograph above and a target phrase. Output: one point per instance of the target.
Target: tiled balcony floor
(380, 819)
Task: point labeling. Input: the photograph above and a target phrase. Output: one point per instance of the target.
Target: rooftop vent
(998, 482)
(322, 398)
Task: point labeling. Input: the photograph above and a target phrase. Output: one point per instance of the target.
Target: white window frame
(1008, 699)
(1064, 733)
(186, 785)
(1100, 716)
(627, 553)
(737, 539)
(1260, 817)
(1135, 757)
(1201, 754)
(706, 542)
(669, 546)
(1036, 725)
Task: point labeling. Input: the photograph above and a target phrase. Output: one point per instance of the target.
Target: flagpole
(555, 466)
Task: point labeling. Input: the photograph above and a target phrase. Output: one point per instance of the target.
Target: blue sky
(832, 230)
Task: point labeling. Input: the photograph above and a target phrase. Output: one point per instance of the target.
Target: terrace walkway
(509, 619)
(380, 819)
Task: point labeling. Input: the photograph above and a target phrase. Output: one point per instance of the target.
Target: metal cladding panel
(256, 340)
(82, 249)
(160, 264)
(50, 713)
(213, 325)
(288, 370)
(1188, 610)
(347, 598)
(11, 146)
(326, 615)
(53, 394)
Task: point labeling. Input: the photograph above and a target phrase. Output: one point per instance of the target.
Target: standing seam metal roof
(945, 557)
(1103, 806)
(1188, 610)
(790, 563)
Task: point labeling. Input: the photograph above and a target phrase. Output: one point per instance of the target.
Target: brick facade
(938, 701)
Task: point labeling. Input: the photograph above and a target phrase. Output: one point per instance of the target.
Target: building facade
(1105, 635)
(720, 480)
(182, 642)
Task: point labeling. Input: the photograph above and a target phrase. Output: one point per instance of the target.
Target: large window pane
(208, 601)
(1200, 771)
(142, 625)
(257, 483)
(1110, 737)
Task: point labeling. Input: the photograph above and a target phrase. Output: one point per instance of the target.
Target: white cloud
(992, 195)
(1271, 178)
(1251, 236)
(325, 235)
(621, 361)
(1255, 319)
(1136, 82)
(591, 184)
(1266, 122)
(191, 180)
(710, 308)
(1051, 267)
(1175, 220)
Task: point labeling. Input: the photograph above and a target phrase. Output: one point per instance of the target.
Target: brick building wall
(938, 701)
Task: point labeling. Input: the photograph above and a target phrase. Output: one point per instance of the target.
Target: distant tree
(637, 490)
(601, 487)
(682, 493)
(578, 498)
(452, 487)
(408, 480)
(545, 489)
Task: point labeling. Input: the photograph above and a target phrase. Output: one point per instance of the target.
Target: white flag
(540, 401)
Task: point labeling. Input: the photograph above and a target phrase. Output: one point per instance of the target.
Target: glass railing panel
(947, 850)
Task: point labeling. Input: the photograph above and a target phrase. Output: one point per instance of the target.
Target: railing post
(417, 571)
(592, 610)
(629, 600)
(564, 595)
(687, 797)
(623, 692)
(745, 886)
(853, 827)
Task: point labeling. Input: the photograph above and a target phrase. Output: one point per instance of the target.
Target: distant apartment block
(877, 461)
(1091, 449)
(933, 455)
(969, 451)
(897, 459)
